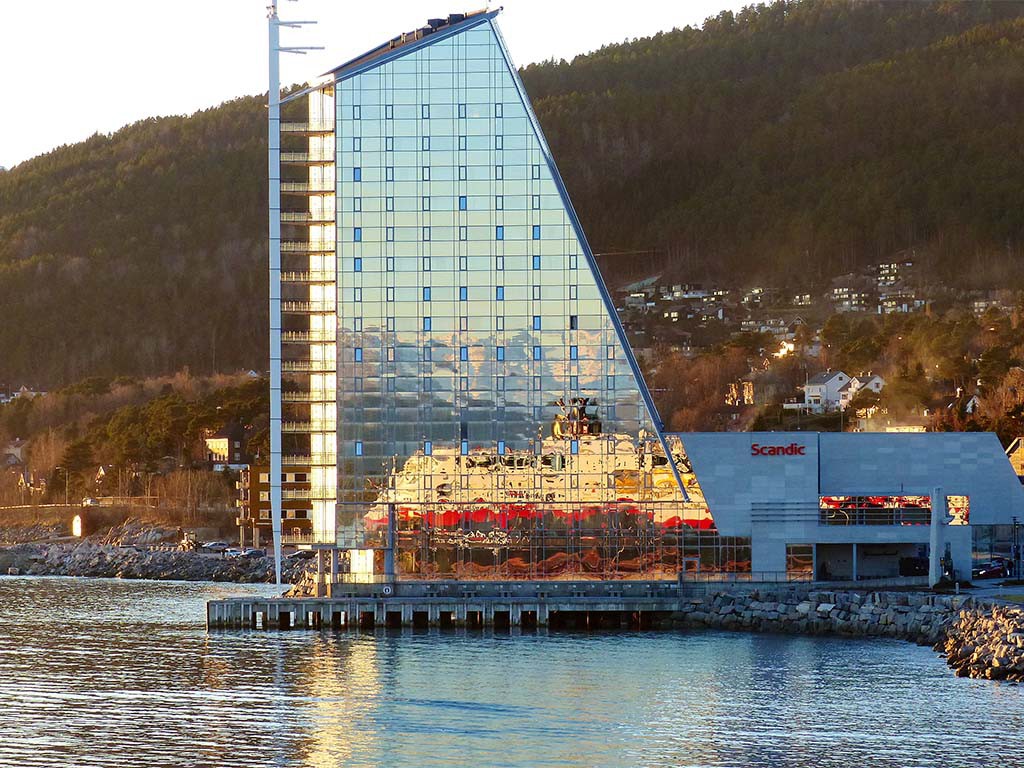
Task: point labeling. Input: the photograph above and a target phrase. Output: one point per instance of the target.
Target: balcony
(308, 366)
(307, 337)
(308, 277)
(317, 396)
(308, 307)
(308, 129)
(319, 494)
(312, 460)
(305, 246)
(306, 188)
(307, 158)
(305, 217)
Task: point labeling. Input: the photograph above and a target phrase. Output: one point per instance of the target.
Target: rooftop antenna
(274, 197)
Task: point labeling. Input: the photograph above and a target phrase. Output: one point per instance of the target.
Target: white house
(822, 392)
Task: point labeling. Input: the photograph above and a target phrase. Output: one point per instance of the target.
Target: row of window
(499, 353)
(389, 172)
(389, 111)
(389, 233)
(499, 265)
(463, 203)
(428, 447)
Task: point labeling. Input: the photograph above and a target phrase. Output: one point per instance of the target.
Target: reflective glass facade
(485, 396)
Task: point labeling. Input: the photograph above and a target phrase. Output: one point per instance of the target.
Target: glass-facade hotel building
(460, 399)
(455, 361)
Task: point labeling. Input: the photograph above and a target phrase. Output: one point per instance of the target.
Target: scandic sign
(756, 449)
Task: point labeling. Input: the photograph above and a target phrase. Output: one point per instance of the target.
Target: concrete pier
(457, 604)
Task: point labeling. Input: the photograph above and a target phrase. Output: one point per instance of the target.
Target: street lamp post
(65, 470)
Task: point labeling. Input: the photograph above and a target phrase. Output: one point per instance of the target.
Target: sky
(72, 68)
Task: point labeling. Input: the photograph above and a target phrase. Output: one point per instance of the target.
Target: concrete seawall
(915, 616)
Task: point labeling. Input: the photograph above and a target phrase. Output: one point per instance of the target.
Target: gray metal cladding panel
(961, 463)
(738, 469)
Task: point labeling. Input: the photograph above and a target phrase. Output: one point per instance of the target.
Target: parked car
(233, 552)
(88, 501)
(215, 546)
(997, 568)
(302, 554)
(254, 553)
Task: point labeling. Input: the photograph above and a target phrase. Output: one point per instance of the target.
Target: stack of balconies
(308, 307)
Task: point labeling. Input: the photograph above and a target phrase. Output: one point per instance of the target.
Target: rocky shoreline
(101, 560)
(987, 642)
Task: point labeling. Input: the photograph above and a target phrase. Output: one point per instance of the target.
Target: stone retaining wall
(987, 642)
(918, 617)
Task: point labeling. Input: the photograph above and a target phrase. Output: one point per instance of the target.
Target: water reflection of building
(456, 365)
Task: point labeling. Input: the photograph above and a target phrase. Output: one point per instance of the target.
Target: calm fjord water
(122, 673)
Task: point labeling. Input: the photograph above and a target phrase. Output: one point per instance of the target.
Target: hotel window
(425, 111)
(464, 383)
(500, 354)
(426, 323)
(499, 293)
(389, 262)
(426, 260)
(389, 112)
(464, 447)
(536, 171)
(359, 447)
(574, 322)
(427, 384)
(536, 202)
(464, 323)
(574, 447)
(426, 293)
(609, 382)
(499, 323)
(499, 233)
(428, 448)
(390, 293)
(425, 203)
(497, 142)
(357, 144)
(536, 231)
(462, 110)
(462, 142)
(389, 143)
(357, 324)
(499, 172)
(358, 354)
(463, 235)
(497, 109)
(390, 324)
(389, 203)
(499, 203)
(389, 173)
(463, 261)
(572, 292)
(464, 353)
(572, 261)
(357, 204)
(356, 112)
(357, 174)
(389, 236)
(357, 234)
(537, 383)
(426, 144)
(463, 293)
(426, 233)
(358, 264)
(536, 322)
(499, 263)
(389, 384)
(536, 353)
(357, 294)
(427, 356)
(425, 173)
(501, 447)
(462, 173)
(574, 352)
(536, 262)
(391, 354)
(611, 352)
(574, 383)
(536, 293)
(463, 202)
(499, 383)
